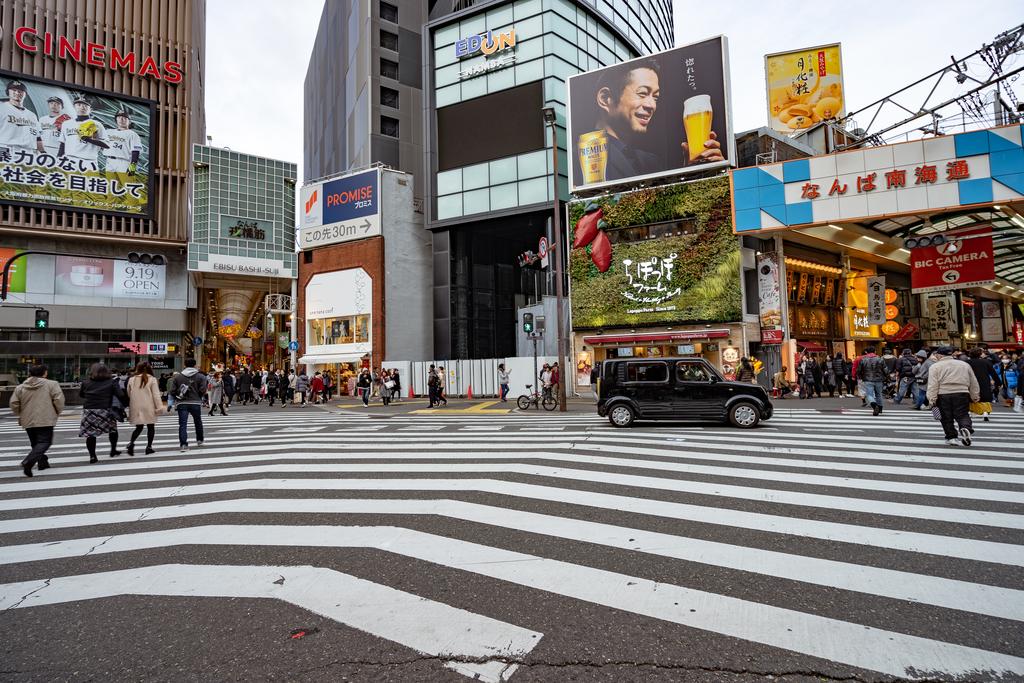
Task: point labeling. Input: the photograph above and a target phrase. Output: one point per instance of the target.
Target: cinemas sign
(964, 260)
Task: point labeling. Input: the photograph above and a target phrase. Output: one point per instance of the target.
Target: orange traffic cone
(411, 395)
(469, 392)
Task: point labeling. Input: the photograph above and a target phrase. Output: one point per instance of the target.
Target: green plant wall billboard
(688, 272)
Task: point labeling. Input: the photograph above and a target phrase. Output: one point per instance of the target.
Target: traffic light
(540, 324)
(528, 323)
(146, 259)
(42, 319)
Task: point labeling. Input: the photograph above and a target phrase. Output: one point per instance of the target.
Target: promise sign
(964, 260)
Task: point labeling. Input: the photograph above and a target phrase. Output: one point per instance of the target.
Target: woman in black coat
(986, 373)
(98, 414)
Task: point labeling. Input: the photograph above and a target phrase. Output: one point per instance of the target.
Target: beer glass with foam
(697, 115)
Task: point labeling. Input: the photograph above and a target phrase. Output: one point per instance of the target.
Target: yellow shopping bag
(980, 408)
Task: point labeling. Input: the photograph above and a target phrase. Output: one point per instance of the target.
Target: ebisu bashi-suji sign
(340, 210)
(937, 174)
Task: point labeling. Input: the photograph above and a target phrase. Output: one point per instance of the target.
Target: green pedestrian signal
(528, 323)
(42, 319)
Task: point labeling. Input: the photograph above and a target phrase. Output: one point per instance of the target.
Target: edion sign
(964, 260)
(95, 54)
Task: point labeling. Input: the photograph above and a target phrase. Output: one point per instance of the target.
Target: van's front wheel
(744, 415)
(621, 415)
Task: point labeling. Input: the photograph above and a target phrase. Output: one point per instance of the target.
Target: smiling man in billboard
(627, 98)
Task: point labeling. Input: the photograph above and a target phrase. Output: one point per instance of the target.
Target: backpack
(183, 390)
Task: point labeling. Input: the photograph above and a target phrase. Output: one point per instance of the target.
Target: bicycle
(536, 398)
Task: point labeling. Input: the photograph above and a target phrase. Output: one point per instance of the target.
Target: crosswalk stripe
(971, 597)
(894, 521)
(429, 627)
(879, 650)
(935, 490)
(985, 551)
(425, 451)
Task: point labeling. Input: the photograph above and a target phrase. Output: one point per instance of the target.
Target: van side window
(691, 372)
(647, 372)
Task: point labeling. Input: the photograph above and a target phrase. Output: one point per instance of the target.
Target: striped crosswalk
(828, 543)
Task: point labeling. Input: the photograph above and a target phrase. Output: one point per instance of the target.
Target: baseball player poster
(73, 147)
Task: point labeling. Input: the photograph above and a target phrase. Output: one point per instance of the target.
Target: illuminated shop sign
(95, 54)
(486, 44)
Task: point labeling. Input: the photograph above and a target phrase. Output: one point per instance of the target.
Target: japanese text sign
(805, 87)
(964, 260)
(67, 146)
(340, 210)
(876, 300)
(770, 298)
(936, 174)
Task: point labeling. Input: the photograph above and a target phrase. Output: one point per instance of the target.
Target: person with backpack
(1007, 373)
(98, 415)
(273, 383)
(904, 369)
(38, 403)
(144, 405)
(872, 370)
(188, 387)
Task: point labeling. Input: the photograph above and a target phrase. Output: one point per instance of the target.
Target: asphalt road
(396, 544)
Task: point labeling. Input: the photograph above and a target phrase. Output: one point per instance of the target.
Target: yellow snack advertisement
(805, 87)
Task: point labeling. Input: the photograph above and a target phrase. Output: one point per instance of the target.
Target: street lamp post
(563, 375)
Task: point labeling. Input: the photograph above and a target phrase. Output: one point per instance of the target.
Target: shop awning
(813, 347)
(652, 337)
(330, 358)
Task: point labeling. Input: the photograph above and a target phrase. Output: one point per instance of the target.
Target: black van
(676, 389)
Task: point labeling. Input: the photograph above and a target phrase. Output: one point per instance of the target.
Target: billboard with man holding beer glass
(660, 115)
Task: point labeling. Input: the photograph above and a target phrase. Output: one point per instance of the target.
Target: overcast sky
(256, 59)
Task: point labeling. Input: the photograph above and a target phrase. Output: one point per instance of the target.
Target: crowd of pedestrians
(952, 383)
(109, 398)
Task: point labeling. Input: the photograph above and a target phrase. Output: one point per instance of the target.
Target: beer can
(593, 151)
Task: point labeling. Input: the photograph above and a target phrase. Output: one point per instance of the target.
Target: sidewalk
(480, 406)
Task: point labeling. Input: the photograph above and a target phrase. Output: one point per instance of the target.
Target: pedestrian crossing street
(833, 544)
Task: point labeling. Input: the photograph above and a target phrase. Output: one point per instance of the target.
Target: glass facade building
(231, 187)
(489, 160)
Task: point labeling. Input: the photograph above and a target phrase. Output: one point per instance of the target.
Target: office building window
(389, 126)
(388, 97)
(389, 40)
(389, 12)
(388, 68)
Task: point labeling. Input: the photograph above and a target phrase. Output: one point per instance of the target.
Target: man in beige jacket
(952, 386)
(38, 403)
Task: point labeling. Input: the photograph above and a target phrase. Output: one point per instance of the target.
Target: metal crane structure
(986, 68)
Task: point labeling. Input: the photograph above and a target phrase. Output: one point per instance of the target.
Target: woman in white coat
(144, 405)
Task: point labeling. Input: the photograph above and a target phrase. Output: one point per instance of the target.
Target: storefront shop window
(345, 330)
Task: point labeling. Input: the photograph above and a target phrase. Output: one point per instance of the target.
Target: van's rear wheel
(744, 415)
(621, 416)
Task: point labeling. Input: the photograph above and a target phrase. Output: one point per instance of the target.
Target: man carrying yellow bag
(986, 374)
